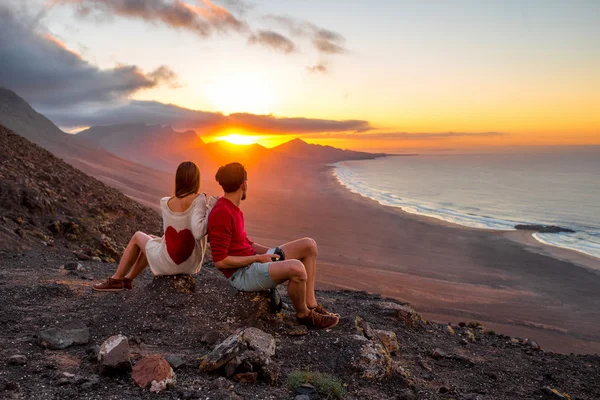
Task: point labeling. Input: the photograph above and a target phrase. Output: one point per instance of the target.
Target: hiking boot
(111, 285)
(128, 283)
(319, 321)
(321, 310)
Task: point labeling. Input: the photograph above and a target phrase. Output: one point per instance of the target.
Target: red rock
(153, 372)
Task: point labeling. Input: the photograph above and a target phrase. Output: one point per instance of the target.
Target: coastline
(524, 236)
(448, 272)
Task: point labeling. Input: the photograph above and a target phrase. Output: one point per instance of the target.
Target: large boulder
(154, 373)
(73, 332)
(242, 340)
(114, 355)
(246, 354)
(404, 312)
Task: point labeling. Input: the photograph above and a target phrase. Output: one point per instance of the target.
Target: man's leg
(294, 272)
(306, 251)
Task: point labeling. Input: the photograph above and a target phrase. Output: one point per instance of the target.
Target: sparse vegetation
(328, 386)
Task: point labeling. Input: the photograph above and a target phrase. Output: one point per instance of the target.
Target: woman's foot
(113, 285)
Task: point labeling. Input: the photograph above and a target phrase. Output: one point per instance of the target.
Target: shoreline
(448, 272)
(524, 236)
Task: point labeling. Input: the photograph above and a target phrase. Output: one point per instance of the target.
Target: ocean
(559, 187)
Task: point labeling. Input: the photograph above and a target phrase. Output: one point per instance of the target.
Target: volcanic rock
(70, 333)
(114, 355)
(153, 372)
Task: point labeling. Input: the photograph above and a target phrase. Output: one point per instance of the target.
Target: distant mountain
(157, 146)
(299, 149)
(44, 199)
(135, 180)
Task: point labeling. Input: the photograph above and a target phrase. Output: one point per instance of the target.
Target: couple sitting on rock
(188, 217)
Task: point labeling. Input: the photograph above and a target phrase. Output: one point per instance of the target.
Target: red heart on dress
(180, 245)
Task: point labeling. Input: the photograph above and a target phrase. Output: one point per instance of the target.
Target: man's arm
(259, 248)
(238, 262)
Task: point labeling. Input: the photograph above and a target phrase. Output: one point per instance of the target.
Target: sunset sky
(375, 75)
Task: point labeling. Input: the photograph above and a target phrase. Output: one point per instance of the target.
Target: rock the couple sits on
(188, 217)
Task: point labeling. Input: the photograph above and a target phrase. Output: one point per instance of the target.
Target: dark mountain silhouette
(157, 146)
(299, 149)
(137, 181)
(162, 147)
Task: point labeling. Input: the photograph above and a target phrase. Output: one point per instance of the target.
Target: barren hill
(137, 181)
(44, 199)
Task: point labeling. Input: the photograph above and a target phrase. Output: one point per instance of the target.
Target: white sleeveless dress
(181, 248)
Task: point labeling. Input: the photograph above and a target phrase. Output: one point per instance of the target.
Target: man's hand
(267, 258)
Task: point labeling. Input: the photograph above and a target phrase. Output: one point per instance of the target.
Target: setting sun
(236, 138)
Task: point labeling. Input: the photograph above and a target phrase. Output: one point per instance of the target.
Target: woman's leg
(140, 265)
(132, 253)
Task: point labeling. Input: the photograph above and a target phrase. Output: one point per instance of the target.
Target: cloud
(399, 136)
(324, 40)
(208, 17)
(239, 6)
(328, 42)
(204, 122)
(318, 68)
(202, 20)
(273, 40)
(46, 73)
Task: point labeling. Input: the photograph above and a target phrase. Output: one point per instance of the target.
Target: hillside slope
(137, 181)
(44, 199)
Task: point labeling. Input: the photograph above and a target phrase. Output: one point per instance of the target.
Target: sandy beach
(506, 280)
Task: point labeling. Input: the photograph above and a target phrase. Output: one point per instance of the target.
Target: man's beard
(243, 195)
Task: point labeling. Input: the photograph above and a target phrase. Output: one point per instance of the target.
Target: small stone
(175, 361)
(299, 330)
(471, 335)
(450, 330)
(72, 266)
(81, 256)
(221, 383)
(443, 389)
(388, 339)
(302, 397)
(246, 377)
(462, 324)
(464, 342)
(114, 354)
(17, 360)
(438, 353)
(69, 333)
(96, 259)
(153, 372)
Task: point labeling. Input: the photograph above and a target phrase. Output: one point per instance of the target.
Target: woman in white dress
(181, 249)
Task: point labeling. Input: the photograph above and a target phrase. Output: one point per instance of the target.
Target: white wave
(344, 176)
(579, 241)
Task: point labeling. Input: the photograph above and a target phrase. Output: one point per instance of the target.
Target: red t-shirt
(226, 233)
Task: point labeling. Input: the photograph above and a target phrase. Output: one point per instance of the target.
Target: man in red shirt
(249, 266)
